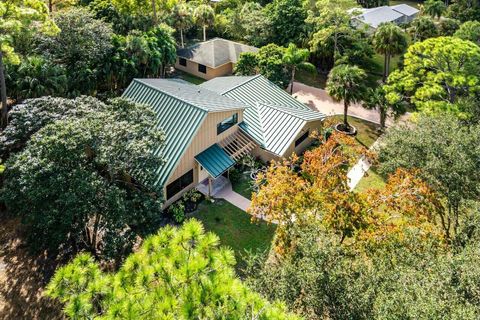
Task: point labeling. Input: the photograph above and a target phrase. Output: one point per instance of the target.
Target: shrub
(178, 211)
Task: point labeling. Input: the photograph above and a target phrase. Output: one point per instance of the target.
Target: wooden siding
(192, 68)
(205, 137)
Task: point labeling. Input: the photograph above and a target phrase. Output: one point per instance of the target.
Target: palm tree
(183, 19)
(435, 8)
(389, 40)
(346, 83)
(296, 58)
(375, 99)
(204, 16)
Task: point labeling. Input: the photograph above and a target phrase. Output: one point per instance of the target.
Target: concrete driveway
(319, 100)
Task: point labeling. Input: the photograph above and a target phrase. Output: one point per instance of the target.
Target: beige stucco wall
(205, 137)
(192, 68)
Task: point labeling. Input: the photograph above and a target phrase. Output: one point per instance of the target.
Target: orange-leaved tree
(316, 191)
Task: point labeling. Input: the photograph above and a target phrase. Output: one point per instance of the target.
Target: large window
(182, 62)
(202, 68)
(302, 138)
(227, 123)
(179, 184)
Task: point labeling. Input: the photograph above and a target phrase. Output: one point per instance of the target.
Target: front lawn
(234, 227)
(367, 132)
(371, 180)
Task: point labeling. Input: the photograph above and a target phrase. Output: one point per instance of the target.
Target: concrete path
(319, 100)
(234, 198)
(358, 171)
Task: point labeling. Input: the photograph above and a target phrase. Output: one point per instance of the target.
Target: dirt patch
(23, 276)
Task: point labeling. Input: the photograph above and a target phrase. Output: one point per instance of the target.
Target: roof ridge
(171, 95)
(280, 109)
(242, 83)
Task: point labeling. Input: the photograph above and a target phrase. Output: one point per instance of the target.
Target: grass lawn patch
(234, 227)
(413, 3)
(243, 185)
(189, 78)
(371, 180)
(367, 132)
(316, 80)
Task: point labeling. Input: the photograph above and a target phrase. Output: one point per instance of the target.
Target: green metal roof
(179, 120)
(197, 96)
(274, 117)
(215, 160)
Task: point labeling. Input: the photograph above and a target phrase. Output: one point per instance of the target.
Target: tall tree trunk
(292, 80)
(154, 9)
(181, 38)
(3, 92)
(345, 112)
(204, 32)
(385, 68)
(50, 6)
(383, 116)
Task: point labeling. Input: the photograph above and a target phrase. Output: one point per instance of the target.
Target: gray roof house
(212, 58)
(373, 17)
(211, 126)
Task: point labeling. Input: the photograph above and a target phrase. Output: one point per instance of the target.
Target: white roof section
(405, 9)
(376, 16)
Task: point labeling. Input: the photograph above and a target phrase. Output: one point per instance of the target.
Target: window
(179, 184)
(227, 123)
(202, 68)
(182, 62)
(302, 138)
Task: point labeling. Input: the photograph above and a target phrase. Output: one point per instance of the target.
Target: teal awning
(215, 160)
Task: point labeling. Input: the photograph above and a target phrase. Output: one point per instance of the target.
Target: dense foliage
(176, 274)
(86, 174)
(448, 156)
(439, 74)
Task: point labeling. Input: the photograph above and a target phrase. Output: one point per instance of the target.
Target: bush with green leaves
(176, 274)
(86, 176)
(178, 211)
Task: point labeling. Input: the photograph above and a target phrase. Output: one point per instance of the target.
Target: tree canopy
(439, 74)
(176, 274)
(87, 176)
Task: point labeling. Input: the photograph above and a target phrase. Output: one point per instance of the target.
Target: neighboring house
(373, 17)
(212, 58)
(210, 127)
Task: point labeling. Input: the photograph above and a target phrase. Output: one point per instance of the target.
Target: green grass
(367, 132)
(412, 3)
(188, 77)
(371, 180)
(243, 186)
(234, 228)
(311, 79)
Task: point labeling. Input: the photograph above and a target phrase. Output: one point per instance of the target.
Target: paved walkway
(358, 171)
(319, 100)
(234, 198)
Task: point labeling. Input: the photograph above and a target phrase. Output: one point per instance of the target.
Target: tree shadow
(23, 276)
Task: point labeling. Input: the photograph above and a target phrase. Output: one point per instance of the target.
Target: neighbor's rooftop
(215, 52)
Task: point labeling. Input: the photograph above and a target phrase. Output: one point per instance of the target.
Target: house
(373, 17)
(211, 126)
(212, 58)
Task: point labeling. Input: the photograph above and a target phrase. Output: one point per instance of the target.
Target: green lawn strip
(234, 228)
(189, 78)
(371, 180)
(367, 132)
(316, 80)
(242, 186)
